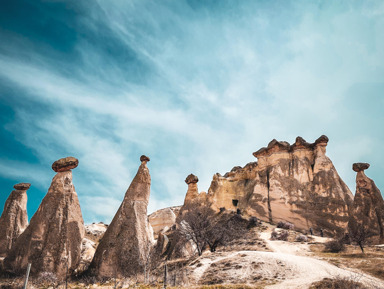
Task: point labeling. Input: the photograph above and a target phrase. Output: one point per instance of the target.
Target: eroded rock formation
(296, 183)
(124, 248)
(14, 218)
(193, 198)
(368, 206)
(163, 219)
(53, 239)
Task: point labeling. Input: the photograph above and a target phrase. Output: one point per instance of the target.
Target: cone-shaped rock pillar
(14, 218)
(52, 241)
(124, 248)
(368, 206)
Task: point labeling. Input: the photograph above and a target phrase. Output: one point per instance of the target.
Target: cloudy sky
(195, 85)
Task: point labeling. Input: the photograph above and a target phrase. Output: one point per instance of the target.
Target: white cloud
(215, 88)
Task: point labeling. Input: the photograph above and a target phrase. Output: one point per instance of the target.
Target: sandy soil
(289, 265)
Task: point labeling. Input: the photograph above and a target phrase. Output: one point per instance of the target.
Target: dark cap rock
(144, 158)
(22, 186)
(191, 179)
(359, 167)
(65, 164)
(323, 140)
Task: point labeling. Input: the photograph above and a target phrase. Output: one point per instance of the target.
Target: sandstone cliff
(14, 218)
(296, 183)
(53, 239)
(368, 206)
(124, 248)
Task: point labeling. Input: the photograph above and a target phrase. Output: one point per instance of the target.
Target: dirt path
(306, 269)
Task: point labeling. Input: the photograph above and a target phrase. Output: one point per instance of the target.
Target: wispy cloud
(198, 89)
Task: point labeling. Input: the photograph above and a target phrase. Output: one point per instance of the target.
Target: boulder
(162, 219)
(52, 241)
(22, 186)
(359, 167)
(14, 219)
(367, 212)
(65, 164)
(296, 183)
(124, 248)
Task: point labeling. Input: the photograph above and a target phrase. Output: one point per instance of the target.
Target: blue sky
(195, 85)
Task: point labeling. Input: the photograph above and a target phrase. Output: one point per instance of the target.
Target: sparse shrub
(334, 246)
(285, 225)
(301, 238)
(253, 222)
(338, 283)
(281, 235)
(47, 278)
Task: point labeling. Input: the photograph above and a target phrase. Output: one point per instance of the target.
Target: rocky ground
(256, 262)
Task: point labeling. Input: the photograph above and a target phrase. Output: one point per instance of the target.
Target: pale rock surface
(162, 219)
(53, 238)
(368, 205)
(125, 246)
(95, 231)
(296, 183)
(14, 219)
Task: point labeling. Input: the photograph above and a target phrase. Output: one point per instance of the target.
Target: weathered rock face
(296, 183)
(54, 235)
(124, 248)
(14, 218)
(368, 205)
(163, 219)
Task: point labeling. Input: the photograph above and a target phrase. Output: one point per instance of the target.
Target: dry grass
(337, 283)
(372, 262)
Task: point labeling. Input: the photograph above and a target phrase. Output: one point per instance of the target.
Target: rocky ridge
(296, 183)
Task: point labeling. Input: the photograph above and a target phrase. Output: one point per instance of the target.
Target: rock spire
(125, 246)
(14, 218)
(52, 241)
(193, 191)
(368, 206)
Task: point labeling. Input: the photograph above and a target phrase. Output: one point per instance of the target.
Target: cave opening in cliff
(235, 202)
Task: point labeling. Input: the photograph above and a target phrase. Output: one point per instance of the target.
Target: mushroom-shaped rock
(359, 167)
(191, 179)
(22, 186)
(65, 164)
(14, 218)
(367, 212)
(52, 241)
(144, 158)
(124, 248)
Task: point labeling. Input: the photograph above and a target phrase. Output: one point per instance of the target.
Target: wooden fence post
(27, 276)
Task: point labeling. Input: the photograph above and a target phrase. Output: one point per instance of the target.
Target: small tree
(359, 235)
(195, 226)
(204, 227)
